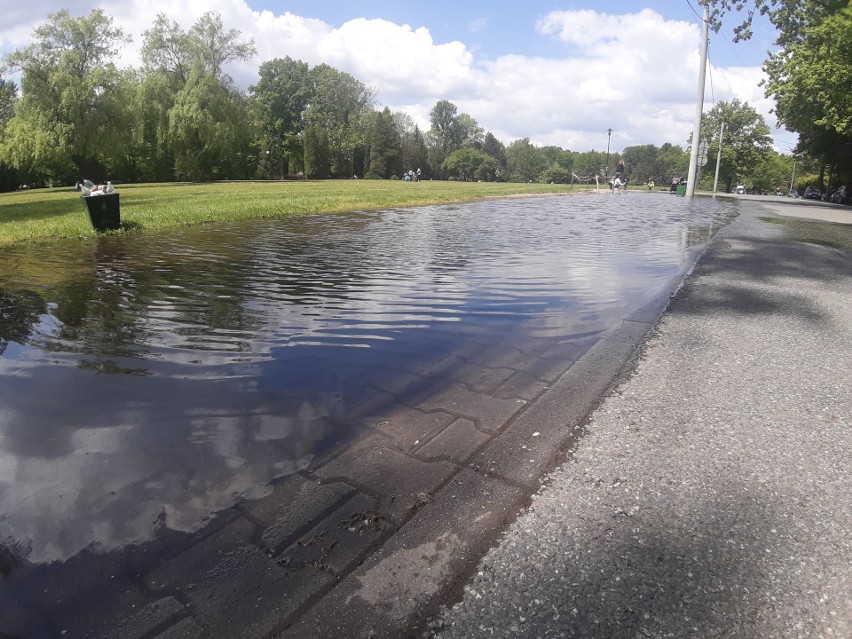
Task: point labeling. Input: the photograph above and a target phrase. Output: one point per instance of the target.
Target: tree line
(180, 117)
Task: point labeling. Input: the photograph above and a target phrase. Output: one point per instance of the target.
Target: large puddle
(152, 379)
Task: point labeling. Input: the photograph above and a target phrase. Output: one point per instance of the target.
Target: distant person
(651, 185)
(618, 179)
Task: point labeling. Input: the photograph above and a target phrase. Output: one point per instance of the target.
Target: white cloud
(634, 72)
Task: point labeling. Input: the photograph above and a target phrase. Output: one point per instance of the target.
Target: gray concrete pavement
(710, 494)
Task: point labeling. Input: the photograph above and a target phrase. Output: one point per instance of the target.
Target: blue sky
(559, 73)
(498, 28)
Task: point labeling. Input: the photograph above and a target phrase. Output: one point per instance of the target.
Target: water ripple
(188, 367)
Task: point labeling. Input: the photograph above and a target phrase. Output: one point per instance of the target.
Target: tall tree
(526, 162)
(70, 110)
(385, 147)
(447, 132)
(317, 154)
(808, 80)
(496, 149)
(169, 49)
(8, 97)
(9, 175)
(471, 133)
(414, 151)
(469, 164)
(340, 104)
(641, 161)
(808, 75)
(193, 113)
(215, 46)
(672, 161)
(205, 130)
(282, 94)
(587, 164)
(745, 144)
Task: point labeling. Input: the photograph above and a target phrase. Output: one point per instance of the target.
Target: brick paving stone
(531, 445)
(183, 570)
(292, 507)
(531, 345)
(526, 450)
(521, 385)
(407, 427)
(479, 378)
(340, 539)
(399, 480)
(436, 367)
(247, 594)
(364, 402)
(399, 382)
(549, 369)
(572, 349)
(149, 618)
(503, 357)
(457, 443)
(186, 629)
(490, 413)
(399, 585)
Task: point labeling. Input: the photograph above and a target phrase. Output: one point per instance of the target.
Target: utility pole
(718, 157)
(608, 138)
(699, 107)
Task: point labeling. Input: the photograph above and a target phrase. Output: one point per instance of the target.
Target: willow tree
(191, 116)
(74, 104)
(9, 175)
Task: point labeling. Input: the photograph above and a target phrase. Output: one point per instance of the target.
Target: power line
(746, 66)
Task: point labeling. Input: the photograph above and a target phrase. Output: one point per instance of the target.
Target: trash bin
(104, 211)
(681, 190)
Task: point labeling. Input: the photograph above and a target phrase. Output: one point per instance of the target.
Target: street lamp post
(718, 157)
(793, 177)
(608, 138)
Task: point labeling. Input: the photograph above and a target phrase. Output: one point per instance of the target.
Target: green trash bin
(104, 211)
(681, 190)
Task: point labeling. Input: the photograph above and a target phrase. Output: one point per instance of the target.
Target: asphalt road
(710, 494)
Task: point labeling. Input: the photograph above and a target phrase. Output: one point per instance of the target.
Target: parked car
(793, 194)
(840, 196)
(812, 193)
(741, 189)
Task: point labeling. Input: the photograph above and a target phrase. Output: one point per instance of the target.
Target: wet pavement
(373, 541)
(709, 494)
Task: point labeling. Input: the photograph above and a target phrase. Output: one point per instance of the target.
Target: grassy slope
(45, 214)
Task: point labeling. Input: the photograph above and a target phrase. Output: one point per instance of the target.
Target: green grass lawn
(44, 214)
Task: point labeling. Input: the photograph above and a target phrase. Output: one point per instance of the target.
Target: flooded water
(152, 379)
